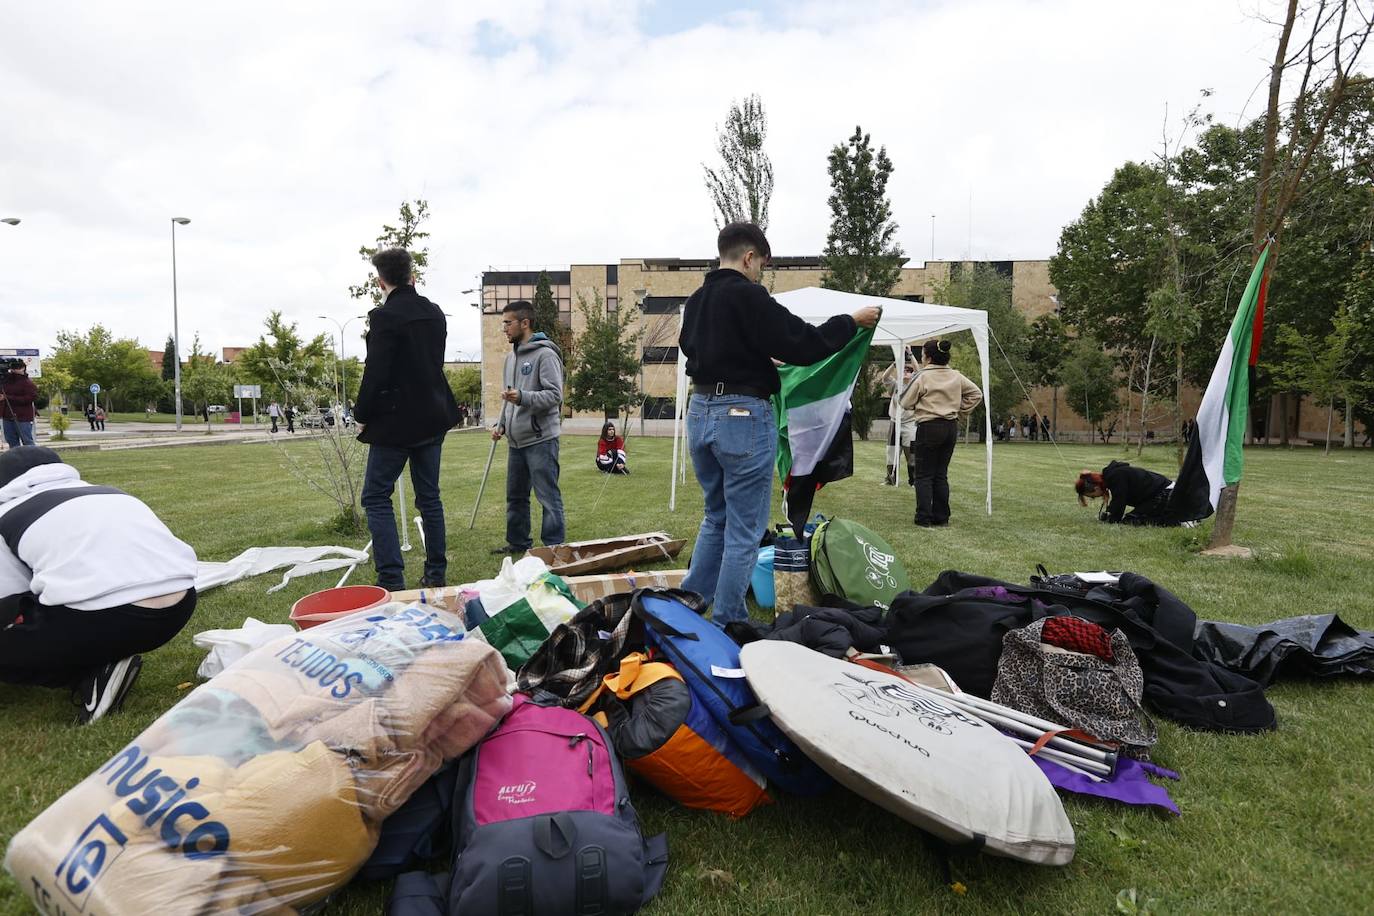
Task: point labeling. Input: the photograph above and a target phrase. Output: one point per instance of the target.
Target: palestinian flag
(811, 409)
(1214, 459)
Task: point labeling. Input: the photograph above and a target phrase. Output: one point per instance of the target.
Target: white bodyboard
(897, 746)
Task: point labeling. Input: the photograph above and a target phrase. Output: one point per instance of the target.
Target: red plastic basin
(322, 607)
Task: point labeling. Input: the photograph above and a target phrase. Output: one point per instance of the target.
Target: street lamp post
(176, 330)
(343, 356)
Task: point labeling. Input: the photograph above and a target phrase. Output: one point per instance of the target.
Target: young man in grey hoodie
(531, 396)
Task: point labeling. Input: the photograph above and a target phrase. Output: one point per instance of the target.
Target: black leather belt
(719, 389)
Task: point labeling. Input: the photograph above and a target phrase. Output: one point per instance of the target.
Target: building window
(663, 305)
(659, 355)
(916, 298)
(659, 408)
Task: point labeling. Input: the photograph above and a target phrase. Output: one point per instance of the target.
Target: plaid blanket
(570, 664)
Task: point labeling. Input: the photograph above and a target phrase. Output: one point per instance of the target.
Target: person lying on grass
(89, 578)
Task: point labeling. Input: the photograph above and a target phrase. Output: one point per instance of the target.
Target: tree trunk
(1145, 397)
(1330, 418)
(1178, 404)
(1297, 418)
(1226, 518)
(1349, 439)
(1054, 413)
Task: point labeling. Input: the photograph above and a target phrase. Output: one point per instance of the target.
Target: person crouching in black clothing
(1122, 487)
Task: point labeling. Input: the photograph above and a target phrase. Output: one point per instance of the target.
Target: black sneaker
(507, 549)
(103, 692)
(428, 582)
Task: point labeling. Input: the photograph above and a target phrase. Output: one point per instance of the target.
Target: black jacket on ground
(732, 330)
(959, 621)
(1130, 486)
(404, 397)
(830, 631)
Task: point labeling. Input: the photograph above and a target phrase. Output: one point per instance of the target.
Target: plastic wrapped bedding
(263, 790)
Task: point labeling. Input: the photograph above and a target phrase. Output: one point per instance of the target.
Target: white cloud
(541, 133)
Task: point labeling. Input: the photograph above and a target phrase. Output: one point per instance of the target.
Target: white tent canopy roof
(902, 323)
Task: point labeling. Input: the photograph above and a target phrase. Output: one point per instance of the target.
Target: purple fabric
(1130, 785)
(995, 593)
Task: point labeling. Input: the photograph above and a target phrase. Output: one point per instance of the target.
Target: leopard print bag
(1079, 677)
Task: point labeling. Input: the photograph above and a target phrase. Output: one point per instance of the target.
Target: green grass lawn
(1278, 823)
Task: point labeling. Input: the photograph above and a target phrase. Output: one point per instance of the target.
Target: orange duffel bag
(667, 739)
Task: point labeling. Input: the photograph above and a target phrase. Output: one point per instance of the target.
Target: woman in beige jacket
(936, 398)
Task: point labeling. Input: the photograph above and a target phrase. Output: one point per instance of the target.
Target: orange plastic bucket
(322, 607)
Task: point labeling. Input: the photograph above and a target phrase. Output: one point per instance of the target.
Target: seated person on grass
(610, 451)
(89, 578)
(1121, 487)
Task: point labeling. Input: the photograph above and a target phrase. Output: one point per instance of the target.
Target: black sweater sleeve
(784, 336)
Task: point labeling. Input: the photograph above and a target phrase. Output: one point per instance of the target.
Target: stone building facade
(659, 286)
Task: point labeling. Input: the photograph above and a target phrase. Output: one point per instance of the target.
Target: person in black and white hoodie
(89, 578)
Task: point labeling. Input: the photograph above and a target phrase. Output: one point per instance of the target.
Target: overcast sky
(543, 134)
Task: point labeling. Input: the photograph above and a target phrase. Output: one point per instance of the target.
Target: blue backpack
(708, 661)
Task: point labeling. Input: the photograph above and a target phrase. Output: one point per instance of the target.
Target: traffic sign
(95, 388)
(247, 391)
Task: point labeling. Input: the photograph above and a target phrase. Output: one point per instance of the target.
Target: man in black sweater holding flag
(732, 330)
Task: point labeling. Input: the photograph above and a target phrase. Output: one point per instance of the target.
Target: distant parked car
(217, 408)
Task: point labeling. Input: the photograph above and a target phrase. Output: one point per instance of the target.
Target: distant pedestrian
(1045, 427)
(404, 409)
(274, 411)
(290, 419)
(90, 416)
(100, 418)
(610, 451)
(17, 394)
(1025, 426)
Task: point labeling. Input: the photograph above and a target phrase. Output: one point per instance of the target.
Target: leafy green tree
(741, 187)
(205, 381)
(983, 288)
(407, 235)
(1092, 387)
(119, 365)
(1047, 350)
(466, 384)
(608, 364)
(279, 356)
(861, 253)
(166, 403)
(545, 307)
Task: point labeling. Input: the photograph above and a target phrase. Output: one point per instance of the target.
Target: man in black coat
(403, 410)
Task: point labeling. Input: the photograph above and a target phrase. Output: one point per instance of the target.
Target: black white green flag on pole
(1215, 457)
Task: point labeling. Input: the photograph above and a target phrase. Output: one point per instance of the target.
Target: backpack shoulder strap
(418, 893)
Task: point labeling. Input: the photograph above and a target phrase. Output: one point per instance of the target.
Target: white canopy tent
(902, 323)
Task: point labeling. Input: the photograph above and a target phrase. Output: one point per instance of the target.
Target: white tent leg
(679, 410)
(980, 339)
(894, 412)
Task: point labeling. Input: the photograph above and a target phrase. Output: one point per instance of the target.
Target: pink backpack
(543, 823)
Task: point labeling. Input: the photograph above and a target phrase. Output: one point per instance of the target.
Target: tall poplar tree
(742, 185)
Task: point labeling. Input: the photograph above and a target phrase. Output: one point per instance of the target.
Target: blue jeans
(18, 432)
(538, 465)
(384, 465)
(734, 442)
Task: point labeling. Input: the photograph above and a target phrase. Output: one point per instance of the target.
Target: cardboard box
(590, 588)
(448, 598)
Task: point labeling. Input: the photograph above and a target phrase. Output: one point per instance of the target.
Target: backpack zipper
(573, 742)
